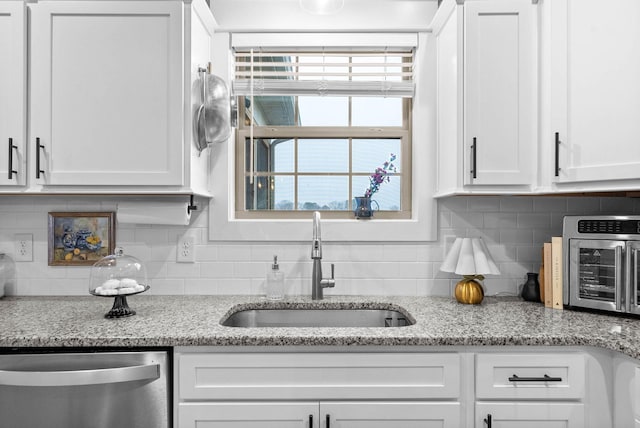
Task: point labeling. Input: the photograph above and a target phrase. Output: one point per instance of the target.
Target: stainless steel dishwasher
(82, 390)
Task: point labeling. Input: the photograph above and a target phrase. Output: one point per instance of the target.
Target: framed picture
(80, 238)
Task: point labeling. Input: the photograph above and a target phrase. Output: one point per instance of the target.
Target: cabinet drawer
(530, 415)
(284, 376)
(522, 376)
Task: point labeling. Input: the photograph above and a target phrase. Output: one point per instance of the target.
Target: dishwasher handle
(79, 377)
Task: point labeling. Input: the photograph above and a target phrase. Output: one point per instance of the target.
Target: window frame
(403, 133)
(421, 227)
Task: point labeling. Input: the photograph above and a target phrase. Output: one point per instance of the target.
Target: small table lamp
(469, 257)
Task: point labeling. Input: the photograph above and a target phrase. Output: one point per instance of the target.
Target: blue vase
(363, 207)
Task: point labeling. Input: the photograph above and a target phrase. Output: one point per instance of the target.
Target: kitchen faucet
(317, 282)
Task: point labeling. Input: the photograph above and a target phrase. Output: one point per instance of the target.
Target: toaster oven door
(633, 277)
(596, 274)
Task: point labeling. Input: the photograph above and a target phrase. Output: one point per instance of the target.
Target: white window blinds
(379, 72)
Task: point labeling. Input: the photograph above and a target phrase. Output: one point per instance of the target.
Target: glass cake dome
(118, 275)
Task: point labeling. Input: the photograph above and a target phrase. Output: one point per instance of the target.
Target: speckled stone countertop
(195, 320)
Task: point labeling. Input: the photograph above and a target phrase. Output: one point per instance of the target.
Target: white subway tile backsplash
(550, 204)
(216, 269)
(516, 204)
(200, 286)
(400, 253)
(499, 220)
(579, 205)
(514, 229)
(516, 236)
(234, 286)
(534, 220)
(454, 204)
(165, 287)
(619, 206)
(151, 236)
(483, 204)
(435, 287)
(234, 252)
(467, 220)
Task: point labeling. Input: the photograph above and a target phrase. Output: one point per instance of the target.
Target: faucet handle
(329, 282)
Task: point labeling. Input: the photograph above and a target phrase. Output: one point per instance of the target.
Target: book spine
(548, 284)
(556, 271)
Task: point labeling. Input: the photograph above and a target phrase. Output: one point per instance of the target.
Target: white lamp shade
(469, 256)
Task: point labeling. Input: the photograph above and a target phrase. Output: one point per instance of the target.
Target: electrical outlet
(23, 243)
(186, 249)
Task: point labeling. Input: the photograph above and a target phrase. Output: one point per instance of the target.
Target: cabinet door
(12, 93)
(248, 415)
(106, 81)
(595, 89)
(390, 414)
(500, 94)
(529, 415)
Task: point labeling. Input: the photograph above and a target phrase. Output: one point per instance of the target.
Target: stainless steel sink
(317, 318)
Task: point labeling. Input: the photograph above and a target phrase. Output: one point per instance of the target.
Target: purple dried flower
(380, 176)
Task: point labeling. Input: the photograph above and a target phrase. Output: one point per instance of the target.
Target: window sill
(354, 230)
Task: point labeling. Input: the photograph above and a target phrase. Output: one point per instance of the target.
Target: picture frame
(80, 238)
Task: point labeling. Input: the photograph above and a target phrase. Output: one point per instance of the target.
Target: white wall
(513, 227)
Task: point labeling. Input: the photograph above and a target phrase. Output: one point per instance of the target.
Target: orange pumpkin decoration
(469, 291)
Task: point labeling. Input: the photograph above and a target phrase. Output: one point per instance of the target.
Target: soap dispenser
(275, 282)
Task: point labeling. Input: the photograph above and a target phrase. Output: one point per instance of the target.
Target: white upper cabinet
(499, 77)
(113, 90)
(594, 135)
(12, 93)
(487, 96)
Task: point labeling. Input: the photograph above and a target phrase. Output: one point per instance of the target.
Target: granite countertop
(194, 321)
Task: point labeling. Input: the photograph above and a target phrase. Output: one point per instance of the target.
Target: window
(315, 124)
(227, 225)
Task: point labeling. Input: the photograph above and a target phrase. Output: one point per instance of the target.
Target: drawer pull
(310, 421)
(328, 421)
(545, 378)
(487, 420)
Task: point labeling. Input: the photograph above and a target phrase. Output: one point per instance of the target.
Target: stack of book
(550, 277)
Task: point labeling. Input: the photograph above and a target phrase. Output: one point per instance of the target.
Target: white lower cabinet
(318, 390)
(447, 387)
(529, 415)
(373, 414)
(530, 390)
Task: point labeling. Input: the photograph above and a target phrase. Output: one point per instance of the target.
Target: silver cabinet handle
(79, 377)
